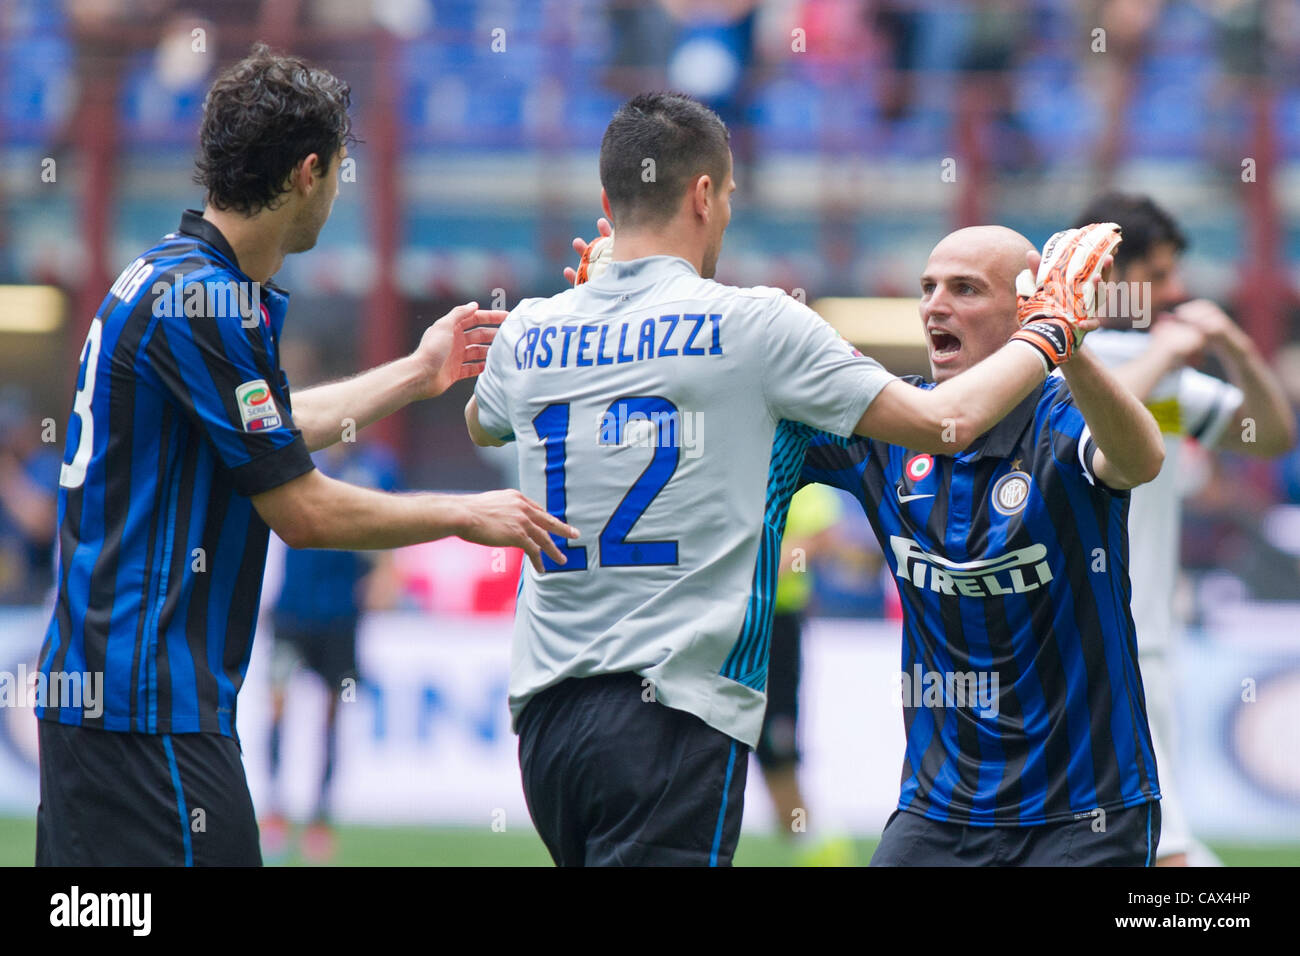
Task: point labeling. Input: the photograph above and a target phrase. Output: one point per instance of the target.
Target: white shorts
(1162, 716)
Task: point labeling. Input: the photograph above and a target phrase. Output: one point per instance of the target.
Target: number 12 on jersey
(552, 425)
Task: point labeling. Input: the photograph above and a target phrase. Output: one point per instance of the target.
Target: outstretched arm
(1054, 313)
(944, 420)
(315, 511)
(452, 348)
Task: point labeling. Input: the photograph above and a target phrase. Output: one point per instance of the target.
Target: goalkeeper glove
(595, 259)
(1065, 294)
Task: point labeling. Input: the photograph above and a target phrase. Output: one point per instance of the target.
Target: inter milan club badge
(1011, 493)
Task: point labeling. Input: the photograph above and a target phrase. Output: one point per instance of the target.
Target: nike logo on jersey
(907, 498)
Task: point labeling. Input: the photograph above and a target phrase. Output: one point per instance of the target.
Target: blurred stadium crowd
(479, 126)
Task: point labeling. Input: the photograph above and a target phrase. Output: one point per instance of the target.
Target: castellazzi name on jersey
(582, 346)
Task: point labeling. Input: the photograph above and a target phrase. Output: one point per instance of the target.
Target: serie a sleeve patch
(257, 410)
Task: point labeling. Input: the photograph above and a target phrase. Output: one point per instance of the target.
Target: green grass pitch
(432, 846)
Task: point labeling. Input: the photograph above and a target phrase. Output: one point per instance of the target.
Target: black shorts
(614, 780)
(778, 746)
(1125, 837)
(125, 799)
(327, 647)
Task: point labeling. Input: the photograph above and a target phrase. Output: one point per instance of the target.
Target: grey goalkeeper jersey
(664, 416)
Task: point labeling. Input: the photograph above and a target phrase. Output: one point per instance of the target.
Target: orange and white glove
(1061, 305)
(595, 259)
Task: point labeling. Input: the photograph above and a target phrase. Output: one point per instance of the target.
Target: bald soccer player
(667, 415)
(1027, 737)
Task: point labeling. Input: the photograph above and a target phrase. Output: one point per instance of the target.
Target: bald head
(1001, 251)
(968, 295)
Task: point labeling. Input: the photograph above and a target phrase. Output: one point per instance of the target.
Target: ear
(604, 204)
(310, 171)
(702, 196)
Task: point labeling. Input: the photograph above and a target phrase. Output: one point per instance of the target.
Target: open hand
(456, 346)
(510, 519)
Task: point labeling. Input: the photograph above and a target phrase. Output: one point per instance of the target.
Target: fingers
(480, 318)
(554, 525)
(475, 326)
(547, 544)
(533, 550)
(534, 541)
(460, 313)
(1025, 283)
(469, 370)
(1055, 271)
(487, 318)
(1095, 243)
(603, 228)
(1056, 252)
(541, 527)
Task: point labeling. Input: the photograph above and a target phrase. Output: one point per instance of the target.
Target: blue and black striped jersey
(181, 414)
(1022, 699)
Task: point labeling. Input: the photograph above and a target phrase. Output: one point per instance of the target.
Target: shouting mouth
(944, 346)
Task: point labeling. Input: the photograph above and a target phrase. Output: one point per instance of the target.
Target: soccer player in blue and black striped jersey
(1027, 737)
(639, 674)
(182, 452)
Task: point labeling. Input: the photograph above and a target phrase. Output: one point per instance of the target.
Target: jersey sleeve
(812, 375)
(832, 460)
(1072, 443)
(219, 373)
(1207, 405)
(490, 386)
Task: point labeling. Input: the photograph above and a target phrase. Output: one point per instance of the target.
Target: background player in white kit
(1157, 366)
(665, 416)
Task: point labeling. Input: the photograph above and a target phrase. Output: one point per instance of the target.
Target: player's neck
(637, 245)
(257, 242)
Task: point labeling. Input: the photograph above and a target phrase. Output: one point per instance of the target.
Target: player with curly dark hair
(182, 454)
(260, 120)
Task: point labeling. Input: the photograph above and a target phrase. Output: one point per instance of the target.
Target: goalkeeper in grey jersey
(665, 416)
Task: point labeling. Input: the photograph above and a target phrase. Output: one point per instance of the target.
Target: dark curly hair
(261, 118)
(1145, 226)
